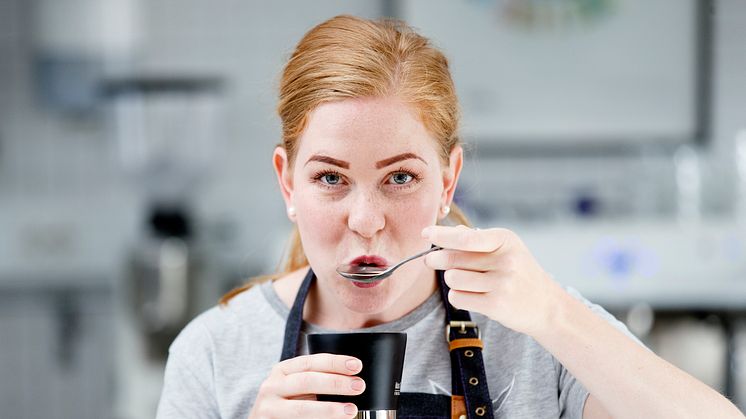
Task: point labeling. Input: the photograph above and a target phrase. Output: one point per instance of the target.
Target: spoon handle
(432, 249)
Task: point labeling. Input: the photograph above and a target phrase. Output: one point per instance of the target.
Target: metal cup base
(376, 414)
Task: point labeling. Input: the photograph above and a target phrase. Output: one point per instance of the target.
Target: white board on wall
(625, 75)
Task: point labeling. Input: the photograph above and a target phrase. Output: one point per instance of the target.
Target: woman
(369, 163)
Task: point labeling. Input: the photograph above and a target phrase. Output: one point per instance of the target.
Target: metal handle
(432, 249)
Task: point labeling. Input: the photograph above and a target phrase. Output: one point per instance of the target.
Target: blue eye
(401, 178)
(330, 178)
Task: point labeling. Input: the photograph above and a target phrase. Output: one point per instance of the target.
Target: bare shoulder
(287, 285)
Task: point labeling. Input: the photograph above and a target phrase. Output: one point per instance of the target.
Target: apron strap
(294, 321)
(468, 378)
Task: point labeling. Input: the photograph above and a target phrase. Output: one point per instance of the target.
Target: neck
(323, 308)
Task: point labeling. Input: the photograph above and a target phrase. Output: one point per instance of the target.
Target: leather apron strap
(468, 377)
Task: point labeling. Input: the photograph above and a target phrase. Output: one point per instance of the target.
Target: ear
(451, 175)
(284, 176)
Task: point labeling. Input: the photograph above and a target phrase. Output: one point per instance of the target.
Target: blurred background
(136, 184)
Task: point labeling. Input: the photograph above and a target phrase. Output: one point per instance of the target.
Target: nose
(366, 215)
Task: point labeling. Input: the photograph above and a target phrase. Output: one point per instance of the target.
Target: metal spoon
(368, 274)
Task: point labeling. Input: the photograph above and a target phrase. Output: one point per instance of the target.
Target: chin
(365, 300)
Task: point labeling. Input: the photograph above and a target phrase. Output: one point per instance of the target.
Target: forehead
(366, 127)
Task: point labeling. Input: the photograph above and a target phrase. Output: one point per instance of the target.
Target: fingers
(329, 363)
(465, 238)
(469, 281)
(467, 300)
(457, 259)
(291, 388)
(318, 374)
(313, 409)
(311, 382)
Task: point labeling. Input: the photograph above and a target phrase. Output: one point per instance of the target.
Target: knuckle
(305, 363)
(304, 383)
(451, 259)
(465, 237)
(337, 363)
(333, 363)
(498, 237)
(294, 383)
(511, 263)
(501, 231)
(507, 236)
(266, 388)
(337, 384)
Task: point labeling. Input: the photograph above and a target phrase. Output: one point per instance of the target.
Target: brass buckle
(462, 329)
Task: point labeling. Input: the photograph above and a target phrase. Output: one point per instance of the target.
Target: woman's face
(367, 178)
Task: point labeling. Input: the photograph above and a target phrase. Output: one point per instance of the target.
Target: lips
(370, 260)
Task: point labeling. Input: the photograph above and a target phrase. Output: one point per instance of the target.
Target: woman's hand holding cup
(291, 388)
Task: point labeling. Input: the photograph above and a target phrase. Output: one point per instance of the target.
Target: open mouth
(363, 265)
(370, 261)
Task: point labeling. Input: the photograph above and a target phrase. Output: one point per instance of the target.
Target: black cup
(382, 355)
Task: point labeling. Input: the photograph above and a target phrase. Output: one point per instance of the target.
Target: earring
(291, 212)
(445, 209)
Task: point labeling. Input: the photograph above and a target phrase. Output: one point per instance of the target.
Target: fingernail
(426, 233)
(353, 364)
(357, 385)
(350, 409)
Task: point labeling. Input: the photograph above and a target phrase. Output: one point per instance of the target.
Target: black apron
(471, 397)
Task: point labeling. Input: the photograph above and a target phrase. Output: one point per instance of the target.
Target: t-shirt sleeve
(572, 394)
(188, 386)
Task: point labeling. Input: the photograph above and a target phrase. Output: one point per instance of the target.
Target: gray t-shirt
(220, 359)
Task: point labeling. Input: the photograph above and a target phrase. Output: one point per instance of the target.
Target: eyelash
(415, 178)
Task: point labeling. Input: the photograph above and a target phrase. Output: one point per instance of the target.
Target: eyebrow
(379, 165)
(391, 160)
(331, 160)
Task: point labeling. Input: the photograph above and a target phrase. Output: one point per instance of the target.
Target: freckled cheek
(320, 220)
(411, 214)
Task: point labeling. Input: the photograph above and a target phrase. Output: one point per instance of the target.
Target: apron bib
(471, 397)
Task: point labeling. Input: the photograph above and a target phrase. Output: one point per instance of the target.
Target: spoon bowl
(367, 274)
